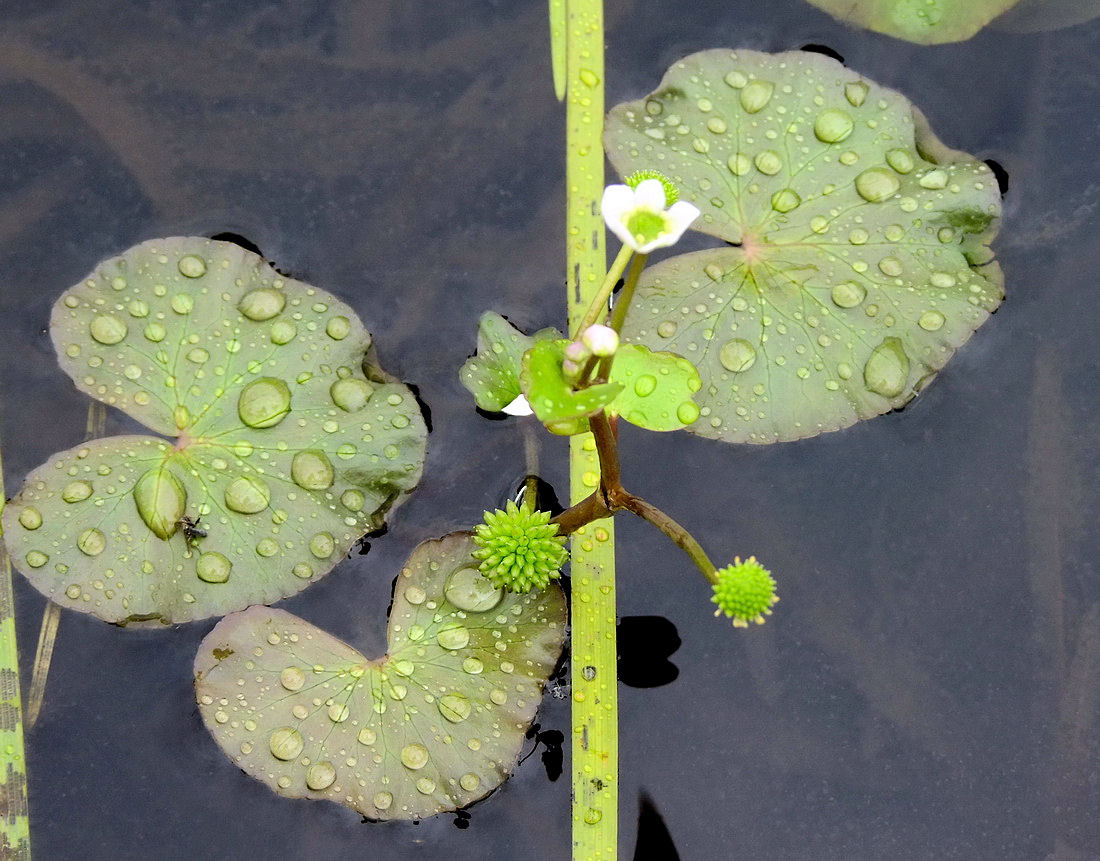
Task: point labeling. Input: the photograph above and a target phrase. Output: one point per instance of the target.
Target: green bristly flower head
(672, 193)
(745, 591)
(520, 549)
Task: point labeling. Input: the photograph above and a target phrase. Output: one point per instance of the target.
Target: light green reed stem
(94, 428)
(595, 751)
(15, 821)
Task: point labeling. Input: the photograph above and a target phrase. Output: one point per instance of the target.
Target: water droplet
(320, 775)
(108, 329)
(321, 545)
(453, 637)
(848, 294)
(30, 517)
(351, 394)
(302, 571)
(737, 355)
(76, 491)
(469, 781)
(931, 321)
(890, 266)
(382, 800)
(934, 179)
(785, 200)
(416, 596)
(589, 78)
(943, 280)
(714, 273)
(425, 786)
(183, 303)
(473, 666)
(267, 547)
(264, 403)
(262, 304)
(91, 542)
(855, 93)
(716, 125)
(876, 184)
(900, 160)
(887, 369)
(644, 385)
(72, 592)
(338, 712)
(768, 162)
(468, 590)
(755, 95)
(286, 743)
(312, 470)
(283, 332)
(36, 558)
(667, 328)
(292, 678)
(198, 355)
(687, 412)
(454, 707)
(414, 756)
(367, 736)
(247, 494)
(213, 567)
(739, 164)
(155, 332)
(353, 500)
(338, 328)
(736, 79)
(192, 266)
(833, 126)
(498, 696)
(592, 816)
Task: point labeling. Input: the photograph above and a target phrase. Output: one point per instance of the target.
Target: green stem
(598, 306)
(626, 296)
(595, 744)
(15, 822)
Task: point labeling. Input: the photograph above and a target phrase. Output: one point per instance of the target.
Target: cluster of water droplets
(433, 725)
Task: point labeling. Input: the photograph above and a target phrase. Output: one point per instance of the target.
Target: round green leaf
(926, 22)
(551, 396)
(286, 452)
(492, 376)
(657, 388)
(435, 724)
(861, 258)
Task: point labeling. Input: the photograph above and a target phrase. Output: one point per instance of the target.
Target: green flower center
(645, 225)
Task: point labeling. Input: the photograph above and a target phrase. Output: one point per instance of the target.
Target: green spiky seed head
(672, 193)
(519, 548)
(745, 591)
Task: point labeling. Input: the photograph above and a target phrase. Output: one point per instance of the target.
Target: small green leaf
(549, 393)
(492, 376)
(435, 724)
(926, 22)
(861, 256)
(286, 451)
(657, 388)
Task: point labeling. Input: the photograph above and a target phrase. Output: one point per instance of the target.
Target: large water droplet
(292, 678)
(30, 517)
(454, 707)
(687, 412)
(737, 355)
(160, 499)
(192, 266)
(755, 95)
(213, 567)
(833, 126)
(768, 162)
(262, 304)
(876, 184)
(468, 590)
(785, 200)
(469, 781)
(351, 394)
(887, 370)
(453, 637)
(247, 494)
(414, 756)
(264, 403)
(931, 321)
(91, 542)
(848, 294)
(900, 160)
(312, 470)
(320, 775)
(286, 743)
(855, 93)
(108, 329)
(321, 545)
(645, 385)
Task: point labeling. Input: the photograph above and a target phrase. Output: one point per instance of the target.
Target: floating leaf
(1037, 16)
(492, 376)
(657, 388)
(549, 393)
(435, 724)
(861, 261)
(285, 452)
(927, 22)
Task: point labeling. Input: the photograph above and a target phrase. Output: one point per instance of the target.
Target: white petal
(518, 407)
(617, 199)
(682, 214)
(650, 194)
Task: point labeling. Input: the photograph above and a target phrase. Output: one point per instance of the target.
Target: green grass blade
(558, 21)
(594, 675)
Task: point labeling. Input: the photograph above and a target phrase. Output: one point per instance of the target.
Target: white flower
(518, 407)
(639, 218)
(601, 340)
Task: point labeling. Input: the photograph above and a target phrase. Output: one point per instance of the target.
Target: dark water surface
(929, 686)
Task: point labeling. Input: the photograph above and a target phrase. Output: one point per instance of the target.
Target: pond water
(928, 686)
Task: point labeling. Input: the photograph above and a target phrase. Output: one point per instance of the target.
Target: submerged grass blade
(95, 427)
(595, 690)
(15, 823)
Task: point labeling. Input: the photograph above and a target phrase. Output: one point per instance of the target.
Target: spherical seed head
(519, 548)
(672, 193)
(745, 591)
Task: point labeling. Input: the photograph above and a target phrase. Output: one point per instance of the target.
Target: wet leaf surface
(285, 451)
(860, 257)
(927, 22)
(434, 725)
(492, 376)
